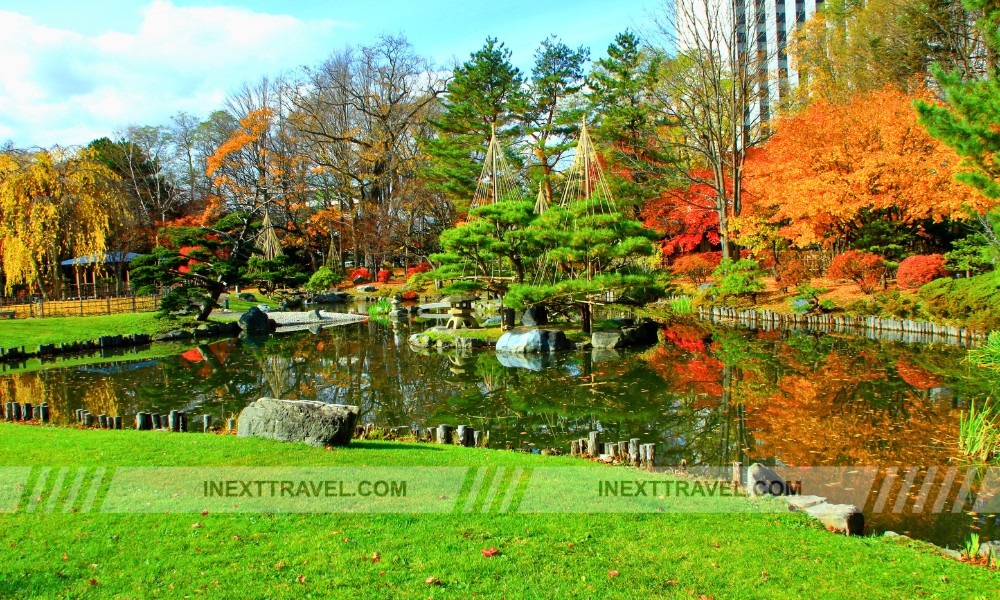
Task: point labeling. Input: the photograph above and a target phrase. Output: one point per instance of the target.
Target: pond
(707, 395)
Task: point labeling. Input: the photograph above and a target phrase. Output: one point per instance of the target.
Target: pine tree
(592, 247)
(555, 109)
(485, 94)
(970, 121)
(619, 88)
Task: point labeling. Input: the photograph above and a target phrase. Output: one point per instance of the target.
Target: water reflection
(706, 395)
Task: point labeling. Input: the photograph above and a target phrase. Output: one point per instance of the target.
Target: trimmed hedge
(974, 301)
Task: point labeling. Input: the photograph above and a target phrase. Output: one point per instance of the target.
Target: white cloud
(63, 87)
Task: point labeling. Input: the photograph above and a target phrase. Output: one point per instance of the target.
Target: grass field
(48, 555)
(32, 332)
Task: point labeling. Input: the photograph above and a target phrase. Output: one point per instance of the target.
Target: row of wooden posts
(904, 329)
(176, 421)
(106, 342)
(14, 411)
(629, 452)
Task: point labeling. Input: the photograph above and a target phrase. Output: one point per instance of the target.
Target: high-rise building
(765, 27)
(750, 39)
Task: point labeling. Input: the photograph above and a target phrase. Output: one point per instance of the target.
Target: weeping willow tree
(53, 204)
(593, 248)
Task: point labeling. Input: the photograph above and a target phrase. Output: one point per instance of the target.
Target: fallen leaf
(280, 564)
(432, 581)
(65, 556)
(375, 557)
(204, 513)
(302, 578)
(93, 582)
(195, 525)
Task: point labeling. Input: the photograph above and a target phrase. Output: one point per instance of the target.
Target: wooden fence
(876, 328)
(38, 308)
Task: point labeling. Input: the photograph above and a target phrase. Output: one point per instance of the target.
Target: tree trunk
(585, 321)
(209, 306)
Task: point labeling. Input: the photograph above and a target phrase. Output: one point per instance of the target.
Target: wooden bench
(6, 314)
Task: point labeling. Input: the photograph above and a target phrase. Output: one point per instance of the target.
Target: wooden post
(592, 444)
(88, 420)
(444, 434)
(477, 438)
(184, 421)
(26, 411)
(231, 424)
(206, 423)
(622, 451)
(175, 421)
(157, 422)
(642, 454)
(633, 451)
(574, 447)
(651, 455)
(738, 474)
(117, 422)
(102, 421)
(44, 410)
(460, 433)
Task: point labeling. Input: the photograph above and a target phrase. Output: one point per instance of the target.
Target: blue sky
(78, 70)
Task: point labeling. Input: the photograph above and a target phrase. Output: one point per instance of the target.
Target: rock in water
(762, 481)
(315, 423)
(255, 322)
(524, 341)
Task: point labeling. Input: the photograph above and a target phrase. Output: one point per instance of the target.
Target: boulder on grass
(315, 423)
(762, 481)
(524, 341)
(839, 517)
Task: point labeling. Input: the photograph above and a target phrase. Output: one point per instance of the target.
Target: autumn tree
(361, 113)
(830, 171)
(54, 204)
(711, 94)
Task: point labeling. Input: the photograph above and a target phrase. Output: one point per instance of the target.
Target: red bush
(863, 268)
(696, 267)
(362, 273)
(409, 295)
(792, 272)
(384, 276)
(917, 270)
(422, 268)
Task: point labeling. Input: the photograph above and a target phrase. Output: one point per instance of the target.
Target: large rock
(643, 333)
(420, 340)
(315, 423)
(762, 481)
(524, 341)
(535, 316)
(531, 362)
(255, 322)
(177, 334)
(841, 517)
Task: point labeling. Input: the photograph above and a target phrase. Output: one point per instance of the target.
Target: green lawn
(32, 332)
(48, 555)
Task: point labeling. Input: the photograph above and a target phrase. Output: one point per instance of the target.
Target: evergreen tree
(969, 123)
(593, 247)
(555, 109)
(485, 94)
(619, 87)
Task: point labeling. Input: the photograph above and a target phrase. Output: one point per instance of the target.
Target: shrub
(384, 276)
(421, 268)
(863, 268)
(792, 272)
(360, 275)
(972, 300)
(808, 297)
(322, 280)
(409, 295)
(696, 267)
(919, 270)
(739, 278)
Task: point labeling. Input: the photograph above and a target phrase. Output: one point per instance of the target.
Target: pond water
(707, 395)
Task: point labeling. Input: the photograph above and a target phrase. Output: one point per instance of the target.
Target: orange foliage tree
(828, 167)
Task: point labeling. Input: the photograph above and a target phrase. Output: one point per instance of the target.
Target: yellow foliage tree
(53, 203)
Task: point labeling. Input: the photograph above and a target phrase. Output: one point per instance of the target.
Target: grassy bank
(394, 555)
(32, 332)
